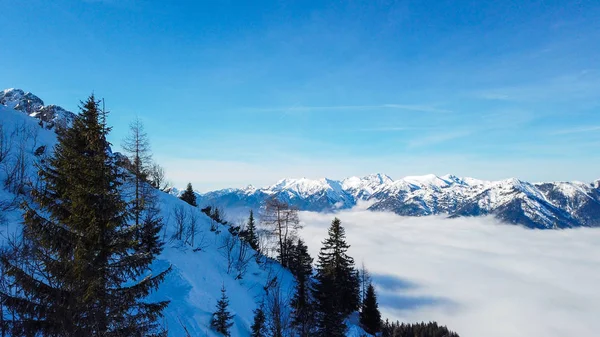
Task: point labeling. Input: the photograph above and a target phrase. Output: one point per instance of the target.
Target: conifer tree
(137, 147)
(86, 273)
(302, 306)
(370, 317)
(189, 196)
(249, 234)
(259, 326)
(336, 288)
(221, 320)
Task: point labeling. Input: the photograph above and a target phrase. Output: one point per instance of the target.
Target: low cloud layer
(477, 276)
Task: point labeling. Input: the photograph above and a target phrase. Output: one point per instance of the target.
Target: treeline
(431, 329)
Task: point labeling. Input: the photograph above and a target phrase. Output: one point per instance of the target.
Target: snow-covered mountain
(539, 205)
(198, 272)
(49, 116)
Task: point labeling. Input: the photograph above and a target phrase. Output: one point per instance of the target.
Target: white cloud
(407, 107)
(478, 277)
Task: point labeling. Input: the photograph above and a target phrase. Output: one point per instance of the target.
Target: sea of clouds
(475, 275)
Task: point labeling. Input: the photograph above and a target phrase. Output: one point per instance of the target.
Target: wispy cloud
(582, 129)
(406, 107)
(436, 138)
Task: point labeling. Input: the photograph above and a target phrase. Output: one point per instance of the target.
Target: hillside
(198, 272)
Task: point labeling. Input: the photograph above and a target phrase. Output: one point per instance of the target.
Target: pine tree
(259, 326)
(337, 286)
(302, 306)
(221, 320)
(85, 274)
(249, 233)
(370, 317)
(189, 196)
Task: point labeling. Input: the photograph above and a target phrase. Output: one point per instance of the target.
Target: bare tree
(365, 280)
(244, 257)
(180, 216)
(279, 318)
(283, 222)
(228, 244)
(157, 177)
(137, 146)
(6, 143)
(192, 228)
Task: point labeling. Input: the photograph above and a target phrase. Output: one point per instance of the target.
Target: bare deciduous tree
(228, 244)
(278, 313)
(283, 222)
(180, 216)
(192, 228)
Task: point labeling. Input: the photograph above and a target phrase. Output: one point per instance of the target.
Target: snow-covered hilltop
(49, 115)
(539, 205)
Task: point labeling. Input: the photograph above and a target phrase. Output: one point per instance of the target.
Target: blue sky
(248, 92)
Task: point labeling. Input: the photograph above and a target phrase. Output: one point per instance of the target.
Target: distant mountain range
(534, 205)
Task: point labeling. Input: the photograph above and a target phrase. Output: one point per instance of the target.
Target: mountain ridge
(542, 205)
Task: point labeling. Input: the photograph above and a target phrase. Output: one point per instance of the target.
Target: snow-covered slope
(541, 205)
(198, 271)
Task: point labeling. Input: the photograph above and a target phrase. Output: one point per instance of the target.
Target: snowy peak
(50, 116)
(540, 205)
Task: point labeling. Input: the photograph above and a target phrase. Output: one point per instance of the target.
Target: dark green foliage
(215, 213)
(249, 233)
(336, 287)
(221, 320)
(234, 230)
(286, 255)
(259, 326)
(370, 317)
(189, 196)
(86, 271)
(431, 329)
(302, 307)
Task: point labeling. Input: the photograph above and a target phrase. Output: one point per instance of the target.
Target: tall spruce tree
(221, 320)
(86, 273)
(259, 325)
(370, 317)
(336, 287)
(302, 307)
(249, 233)
(189, 196)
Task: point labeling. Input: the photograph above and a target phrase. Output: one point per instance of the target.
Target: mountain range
(535, 205)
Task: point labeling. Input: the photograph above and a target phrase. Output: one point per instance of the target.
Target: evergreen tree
(259, 326)
(221, 320)
(337, 286)
(370, 317)
(302, 306)
(286, 255)
(189, 196)
(249, 234)
(86, 272)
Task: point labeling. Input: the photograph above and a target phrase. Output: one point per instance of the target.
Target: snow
(194, 285)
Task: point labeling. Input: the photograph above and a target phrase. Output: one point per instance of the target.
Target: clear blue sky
(240, 92)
